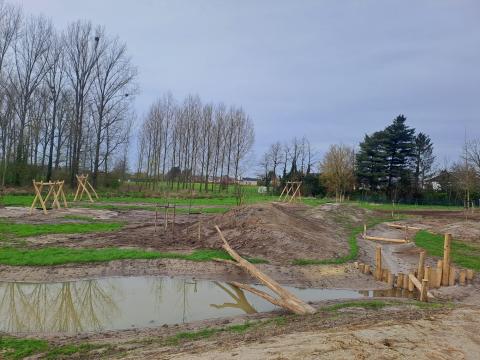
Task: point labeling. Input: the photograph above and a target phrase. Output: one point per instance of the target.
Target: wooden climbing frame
(55, 188)
(291, 191)
(83, 186)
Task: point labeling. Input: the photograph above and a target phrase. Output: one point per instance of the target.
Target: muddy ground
(278, 233)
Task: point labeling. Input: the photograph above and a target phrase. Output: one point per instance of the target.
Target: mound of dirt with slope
(281, 232)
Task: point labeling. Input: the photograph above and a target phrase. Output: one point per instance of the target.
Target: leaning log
(376, 238)
(285, 299)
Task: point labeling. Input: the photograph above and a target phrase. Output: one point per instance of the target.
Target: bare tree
(337, 170)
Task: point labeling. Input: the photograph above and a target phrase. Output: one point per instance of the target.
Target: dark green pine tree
(423, 159)
(371, 162)
(399, 148)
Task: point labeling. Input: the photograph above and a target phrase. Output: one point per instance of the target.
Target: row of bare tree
(190, 142)
(64, 98)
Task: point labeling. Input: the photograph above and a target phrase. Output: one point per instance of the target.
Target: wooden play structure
(55, 188)
(291, 191)
(83, 186)
(422, 277)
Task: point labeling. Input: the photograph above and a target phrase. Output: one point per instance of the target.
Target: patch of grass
(463, 254)
(355, 231)
(64, 351)
(209, 332)
(406, 207)
(365, 304)
(25, 230)
(380, 304)
(51, 256)
(16, 348)
(12, 348)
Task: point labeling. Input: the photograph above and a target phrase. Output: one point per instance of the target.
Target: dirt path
(451, 336)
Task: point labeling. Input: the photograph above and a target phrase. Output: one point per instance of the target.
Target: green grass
(380, 304)
(16, 348)
(51, 256)
(25, 230)
(12, 348)
(355, 231)
(407, 207)
(209, 332)
(463, 254)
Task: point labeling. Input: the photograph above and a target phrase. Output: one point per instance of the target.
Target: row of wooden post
(166, 211)
(444, 274)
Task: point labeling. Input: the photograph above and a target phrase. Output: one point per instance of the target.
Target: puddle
(131, 302)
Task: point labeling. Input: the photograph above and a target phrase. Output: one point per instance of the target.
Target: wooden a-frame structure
(291, 191)
(55, 188)
(83, 186)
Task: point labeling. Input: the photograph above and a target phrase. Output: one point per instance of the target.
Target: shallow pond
(131, 302)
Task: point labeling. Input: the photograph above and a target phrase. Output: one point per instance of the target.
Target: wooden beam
(446, 258)
(375, 238)
(378, 263)
(421, 265)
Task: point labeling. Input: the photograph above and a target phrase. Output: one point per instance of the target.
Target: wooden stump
(446, 259)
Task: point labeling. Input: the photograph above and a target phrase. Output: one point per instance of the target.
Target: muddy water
(130, 302)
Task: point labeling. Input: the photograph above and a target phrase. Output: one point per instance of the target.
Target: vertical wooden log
(469, 275)
(355, 264)
(424, 291)
(390, 279)
(463, 277)
(385, 275)
(378, 263)
(361, 267)
(446, 258)
(427, 274)
(451, 276)
(421, 266)
(364, 230)
(405, 281)
(411, 286)
(438, 277)
(173, 223)
(156, 217)
(399, 280)
(367, 269)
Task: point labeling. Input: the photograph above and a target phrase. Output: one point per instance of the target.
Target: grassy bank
(25, 230)
(354, 232)
(59, 256)
(463, 254)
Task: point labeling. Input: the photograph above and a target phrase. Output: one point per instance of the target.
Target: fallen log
(399, 226)
(375, 238)
(286, 300)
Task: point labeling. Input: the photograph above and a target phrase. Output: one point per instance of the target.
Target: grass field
(463, 254)
(24, 230)
(406, 207)
(51, 256)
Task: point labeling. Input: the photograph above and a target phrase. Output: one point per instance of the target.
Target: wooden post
(424, 291)
(463, 277)
(385, 275)
(411, 285)
(427, 273)
(469, 275)
(378, 263)
(399, 280)
(390, 279)
(364, 230)
(446, 258)
(405, 281)
(156, 217)
(166, 216)
(173, 223)
(451, 276)
(361, 267)
(421, 265)
(366, 269)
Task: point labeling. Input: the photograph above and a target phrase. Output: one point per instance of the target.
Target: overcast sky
(331, 70)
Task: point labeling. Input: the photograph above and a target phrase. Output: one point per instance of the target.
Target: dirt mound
(282, 232)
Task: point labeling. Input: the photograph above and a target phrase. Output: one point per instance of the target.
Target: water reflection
(238, 296)
(130, 302)
(64, 307)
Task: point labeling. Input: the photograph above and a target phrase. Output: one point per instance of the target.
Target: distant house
(248, 181)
